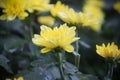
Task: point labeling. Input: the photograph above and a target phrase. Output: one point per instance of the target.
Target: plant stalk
(60, 65)
(110, 71)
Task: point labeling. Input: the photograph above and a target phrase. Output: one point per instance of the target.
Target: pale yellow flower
(13, 9)
(46, 20)
(117, 6)
(92, 17)
(83, 18)
(109, 51)
(50, 39)
(19, 78)
(38, 5)
(96, 3)
(69, 16)
(58, 7)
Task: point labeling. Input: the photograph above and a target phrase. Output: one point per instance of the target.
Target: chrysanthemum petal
(69, 48)
(45, 50)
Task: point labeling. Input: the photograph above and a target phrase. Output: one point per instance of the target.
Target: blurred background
(20, 57)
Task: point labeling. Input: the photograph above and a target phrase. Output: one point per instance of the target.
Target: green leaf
(13, 43)
(4, 63)
(34, 50)
(43, 60)
(73, 77)
(69, 68)
(55, 72)
(37, 73)
(86, 76)
(73, 73)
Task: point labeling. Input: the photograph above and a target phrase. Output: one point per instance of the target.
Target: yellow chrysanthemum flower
(58, 7)
(117, 6)
(13, 9)
(46, 20)
(109, 51)
(69, 16)
(92, 17)
(39, 5)
(50, 39)
(19, 78)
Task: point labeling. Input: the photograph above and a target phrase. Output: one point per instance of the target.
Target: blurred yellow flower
(92, 17)
(69, 16)
(117, 6)
(109, 51)
(19, 78)
(58, 7)
(38, 5)
(46, 20)
(96, 3)
(50, 39)
(13, 9)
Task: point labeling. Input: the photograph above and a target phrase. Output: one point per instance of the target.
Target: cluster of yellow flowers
(65, 13)
(63, 36)
(50, 39)
(109, 51)
(55, 10)
(18, 8)
(92, 15)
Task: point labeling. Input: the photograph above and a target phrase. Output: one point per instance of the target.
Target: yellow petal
(69, 48)
(75, 39)
(10, 18)
(100, 51)
(22, 15)
(47, 20)
(45, 50)
(36, 40)
(3, 17)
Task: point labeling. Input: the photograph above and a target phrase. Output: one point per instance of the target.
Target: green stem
(31, 27)
(77, 46)
(77, 55)
(77, 61)
(77, 43)
(31, 31)
(60, 66)
(110, 71)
